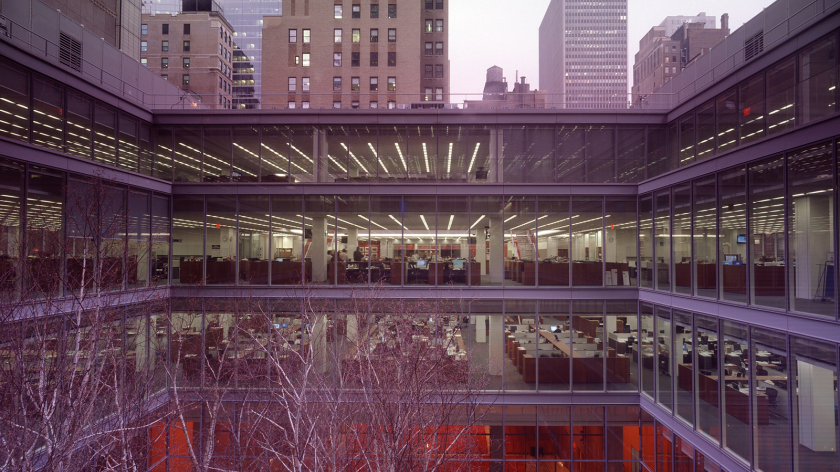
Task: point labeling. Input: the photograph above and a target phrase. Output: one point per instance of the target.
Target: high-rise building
(326, 55)
(672, 23)
(583, 54)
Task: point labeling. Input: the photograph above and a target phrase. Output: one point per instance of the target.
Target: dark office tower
(583, 54)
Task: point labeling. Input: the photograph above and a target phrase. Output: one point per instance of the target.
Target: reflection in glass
(217, 154)
(287, 241)
(662, 233)
(818, 80)
(587, 241)
(47, 116)
(520, 241)
(523, 344)
(663, 357)
(735, 389)
(780, 96)
(645, 263)
(587, 348)
(253, 239)
(246, 154)
(553, 241)
(771, 436)
(555, 345)
(630, 166)
(767, 221)
(705, 351)
(705, 237)
(681, 200)
(621, 329)
(682, 349)
(727, 121)
(751, 108)
(620, 241)
(221, 240)
(643, 353)
(732, 235)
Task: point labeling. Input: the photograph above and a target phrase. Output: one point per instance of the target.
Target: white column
(318, 249)
(320, 164)
(352, 241)
(813, 241)
(480, 328)
(481, 247)
(497, 264)
(496, 361)
(318, 343)
(352, 327)
(495, 173)
(816, 407)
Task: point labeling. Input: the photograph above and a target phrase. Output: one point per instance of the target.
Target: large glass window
(810, 258)
(727, 121)
(630, 166)
(353, 233)
(687, 139)
(814, 366)
(681, 238)
(424, 267)
(487, 222)
(733, 235)
(289, 249)
(320, 234)
(736, 390)
(570, 154)
(520, 226)
(681, 349)
(705, 350)
(705, 237)
(11, 213)
(363, 154)
(246, 154)
(105, 144)
(781, 80)
(254, 239)
(386, 243)
(128, 143)
(162, 154)
(768, 363)
(217, 148)
(767, 221)
(137, 265)
(645, 265)
(221, 240)
(79, 125)
(706, 130)
(587, 241)
(662, 358)
(620, 241)
(523, 343)
(620, 325)
(302, 154)
(751, 108)
(553, 241)
(662, 233)
(818, 80)
(187, 240)
(453, 242)
(643, 349)
(161, 233)
(600, 154)
(14, 97)
(528, 154)
(587, 348)
(187, 154)
(47, 117)
(274, 155)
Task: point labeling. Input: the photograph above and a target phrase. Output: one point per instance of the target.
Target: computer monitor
(458, 264)
(742, 239)
(421, 263)
(731, 258)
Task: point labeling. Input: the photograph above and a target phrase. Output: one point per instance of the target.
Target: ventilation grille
(71, 51)
(754, 45)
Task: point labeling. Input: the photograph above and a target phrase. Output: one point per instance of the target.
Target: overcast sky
(506, 34)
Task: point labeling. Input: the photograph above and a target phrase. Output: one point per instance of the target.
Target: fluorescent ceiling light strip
(449, 159)
(372, 222)
(476, 221)
(399, 151)
(472, 161)
(398, 222)
(449, 227)
(426, 157)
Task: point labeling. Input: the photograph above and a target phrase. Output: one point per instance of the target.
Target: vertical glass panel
(105, 142)
(681, 238)
(588, 435)
(187, 240)
(274, 155)
(137, 266)
(736, 391)
(706, 130)
(302, 155)
(620, 241)
(246, 154)
(352, 231)
(44, 218)
(528, 154)
(488, 341)
(454, 154)
(673, 145)
(320, 237)
(656, 152)
(216, 163)
(129, 152)
(781, 81)
(220, 241)
(522, 344)
(162, 154)
(160, 240)
(767, 225)
(14, 103)
(487, 216)
(663, 357)
(810, 265)
(664, 448)
(48, 114)
(682, 349)
(288, 249)
(555, 348)
(623, 439)
(705, 351)
(587, 345)
(553, 241)
(771, 437)
(645, 263)
(419, 224)
(687, 139)
(751, 109)
(683, 455)
(253, 239)
(520, 437)
(818, 80)
(453, 242)
(587, 241)
(186, 346)
(620, 325)
(82, 236)
(336, 160)
(630, 167)
(733, 226)
(555, 436)
(662, 232)
(704, 464)
(570, 154)
(145, 155)
(391, 153)
(814, 365)
(385, 249)
(520, 241)
(600, 154)
(11, 211)
(705, 238)
(422, 153)
(363, 153)
(188, 156)
(643, 352)
(79, 124)
(727, 121)
(478, 152)
(648, 438)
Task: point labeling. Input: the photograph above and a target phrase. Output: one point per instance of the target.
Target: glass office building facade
(644, 290)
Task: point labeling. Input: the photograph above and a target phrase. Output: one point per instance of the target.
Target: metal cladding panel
(92, 55)
(44, 23)
(111, 71)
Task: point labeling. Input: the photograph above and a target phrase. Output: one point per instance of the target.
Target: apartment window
(374, 35)
(428, 94)
(185, 79)
(429, 26)
(291, 104)
(374, 104)
(392, 104)
(374, 11)
(392, 59)
(164, 28)
(144, 62)
(429, 47)
(355, 59)
(304, 84)
(336, 104)
(186, 63)
(220, 99)
(438, 26)
(144, 29)
(220, 82)
(374, 59)
(164, 63)
(221, 34)
(337, 35)
(337, 59)
(297, 60)
(392, 84)
(186, 28)
(439, 48)
(221, 69)
(392, 10)
(429, 4)
(337, 84)
(354, 84)
(392, 35)
(357, 35)
(144, 46)
(186, 46)
(306, 33)
(221, 50)
(305, 60)
(438, 71)
(439, 93)
(438, 4)
(292, 84)
(164, 46)
(374, 84)
(429, 71)
(304, 104)
(356, 11)
(292, 35)
(338, 11)
(354, 104)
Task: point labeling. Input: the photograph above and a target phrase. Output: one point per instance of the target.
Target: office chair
(772, 395)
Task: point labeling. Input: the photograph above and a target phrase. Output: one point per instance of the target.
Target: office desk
(737, 402)
(620, 268)
(289, 272)
(735, 278)
(337, 273)
(769, 280)
(435, 273)
(190, 272)
(587, 273)
(221, 272)
(554, 273)
(254, 272)
(397, 272)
